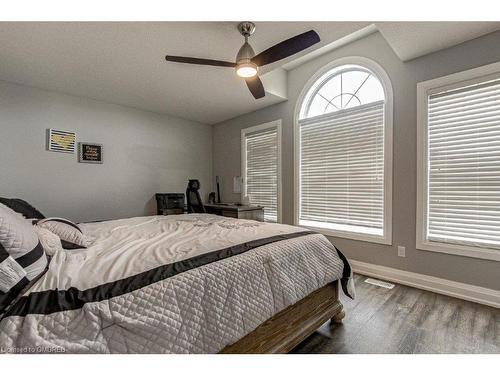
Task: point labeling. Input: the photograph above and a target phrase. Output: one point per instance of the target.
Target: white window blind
(463, 150)
(261, 171)
(342, 170)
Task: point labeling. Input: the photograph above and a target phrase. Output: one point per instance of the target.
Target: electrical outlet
(401, 251)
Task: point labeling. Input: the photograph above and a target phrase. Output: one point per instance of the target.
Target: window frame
(384, 79)
(424, 89)
(252, 129)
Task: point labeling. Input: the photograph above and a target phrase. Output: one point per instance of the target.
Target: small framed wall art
(90, 153)
(61, 141)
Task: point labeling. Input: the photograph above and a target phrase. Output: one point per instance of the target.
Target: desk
(236, 211)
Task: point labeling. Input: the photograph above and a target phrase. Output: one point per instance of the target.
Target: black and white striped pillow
(22, 258)
(71, 235)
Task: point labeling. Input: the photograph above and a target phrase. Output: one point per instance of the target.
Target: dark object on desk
(169, 203)
(194, 203)
(211, 198)
(238, 211)
(218, 189)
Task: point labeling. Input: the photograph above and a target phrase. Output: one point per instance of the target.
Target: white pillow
(22, 257)
(50, 241)
(70, 233)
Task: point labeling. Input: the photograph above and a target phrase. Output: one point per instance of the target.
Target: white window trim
(388, 139)
(268, 125)
(423, 90)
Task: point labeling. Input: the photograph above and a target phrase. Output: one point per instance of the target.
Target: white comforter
(200, 310)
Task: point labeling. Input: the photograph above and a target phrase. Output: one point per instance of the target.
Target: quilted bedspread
(168, 284)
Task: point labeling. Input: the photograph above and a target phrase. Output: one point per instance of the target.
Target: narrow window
(261, 168)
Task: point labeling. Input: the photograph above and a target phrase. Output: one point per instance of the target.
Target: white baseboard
(467, 292)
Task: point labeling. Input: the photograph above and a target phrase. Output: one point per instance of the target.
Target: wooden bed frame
(282, 332)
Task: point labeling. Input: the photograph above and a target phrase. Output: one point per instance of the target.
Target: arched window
(344, 87)
(344, 123)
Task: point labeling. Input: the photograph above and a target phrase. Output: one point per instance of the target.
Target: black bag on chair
(194, 203)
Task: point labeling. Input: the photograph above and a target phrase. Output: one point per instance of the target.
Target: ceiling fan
(247, 62)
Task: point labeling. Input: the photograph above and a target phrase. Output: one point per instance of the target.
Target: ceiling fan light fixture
(247, 69)
(247, 63)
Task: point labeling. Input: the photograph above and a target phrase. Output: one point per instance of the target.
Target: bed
(194, 283)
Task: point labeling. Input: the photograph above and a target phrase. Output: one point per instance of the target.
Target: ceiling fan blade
(194, 60)
(287, 48)
(256, 87)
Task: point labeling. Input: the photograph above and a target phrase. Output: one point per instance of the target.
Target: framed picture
(61, 141)
(90, 153)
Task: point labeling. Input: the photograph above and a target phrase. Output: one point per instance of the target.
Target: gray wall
(144, 153)
(404, 77)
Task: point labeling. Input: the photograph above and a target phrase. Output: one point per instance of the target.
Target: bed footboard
(282, 332)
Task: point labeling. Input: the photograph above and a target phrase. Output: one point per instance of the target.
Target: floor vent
(381, 283)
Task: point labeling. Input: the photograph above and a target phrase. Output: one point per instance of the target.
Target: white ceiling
(123, 62)
(414, 39)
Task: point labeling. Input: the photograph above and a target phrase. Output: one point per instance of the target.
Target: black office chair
(194, 203)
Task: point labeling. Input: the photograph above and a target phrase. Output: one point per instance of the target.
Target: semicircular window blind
(463, 204)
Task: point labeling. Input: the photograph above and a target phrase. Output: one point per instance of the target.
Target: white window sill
(350, 235)
(462, 250)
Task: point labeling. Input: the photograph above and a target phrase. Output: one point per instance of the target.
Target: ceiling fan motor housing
(245, 53)
(244, 66)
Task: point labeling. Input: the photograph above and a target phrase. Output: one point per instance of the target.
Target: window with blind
(342, 161)
(261, 168)
(460, 166)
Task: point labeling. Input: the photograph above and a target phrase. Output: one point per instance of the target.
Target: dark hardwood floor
(407, 320)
